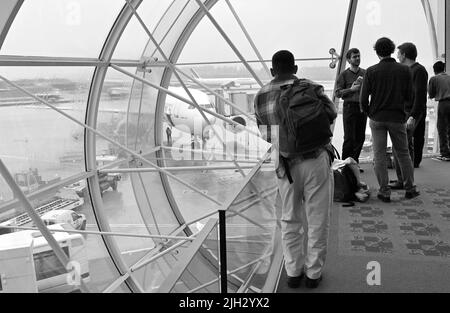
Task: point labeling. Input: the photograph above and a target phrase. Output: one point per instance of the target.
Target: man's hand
(410, 123)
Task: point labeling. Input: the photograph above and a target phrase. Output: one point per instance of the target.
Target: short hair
(384, 47)
(409, 50)
(350, 52)
(439, 67)
(283, 62)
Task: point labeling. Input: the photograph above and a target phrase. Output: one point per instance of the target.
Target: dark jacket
(389, 84)
(417, 107)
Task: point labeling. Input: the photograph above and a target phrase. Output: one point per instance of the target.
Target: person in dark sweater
(348, 87)
(416, 109)
(389, 86)
(439, 89)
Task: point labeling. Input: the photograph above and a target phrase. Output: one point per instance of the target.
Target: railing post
(223, 252)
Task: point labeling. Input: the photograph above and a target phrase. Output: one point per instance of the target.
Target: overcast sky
(309, 28)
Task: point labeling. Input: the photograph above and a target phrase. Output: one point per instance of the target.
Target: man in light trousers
(305, 184)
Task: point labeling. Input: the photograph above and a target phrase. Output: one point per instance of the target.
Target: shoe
(416, 165)
(443, 158)
(294, 282)
(385, 199)
(312, 283)
(361, 170)
(396, 185)
(361, 197)
(412, 194)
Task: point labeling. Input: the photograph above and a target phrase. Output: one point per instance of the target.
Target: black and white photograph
(226, 152)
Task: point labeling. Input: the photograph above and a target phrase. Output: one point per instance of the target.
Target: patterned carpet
(410, 239)
(416, 229)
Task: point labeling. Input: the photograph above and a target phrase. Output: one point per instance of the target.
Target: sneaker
(412, 194)
(362, 195)
(312, 283)
(396, 185)
(443, 158)
(294, 282)
(385, 199)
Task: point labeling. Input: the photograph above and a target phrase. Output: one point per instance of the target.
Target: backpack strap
(287, 169)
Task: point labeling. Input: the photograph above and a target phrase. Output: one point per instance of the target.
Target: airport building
(131, 160)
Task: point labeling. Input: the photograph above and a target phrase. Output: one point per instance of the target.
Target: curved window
(59, 28)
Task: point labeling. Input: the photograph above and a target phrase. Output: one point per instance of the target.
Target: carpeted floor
(409, 239)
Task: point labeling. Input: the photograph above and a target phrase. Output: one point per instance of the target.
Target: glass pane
(66, 28)
(36, 137)
(285, 30)
(251, 229)
(102, 270)
(201, 275)
(134, 39)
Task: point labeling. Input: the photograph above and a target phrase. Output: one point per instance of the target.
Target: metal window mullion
(246, 207)
(249, 38)
(168, 159)
(172, 25)
(115, 284)
(90, 142)
(247, 180)
(22, 61)
(161, 63)
(138, 265)
(252, 195)
(229, 273)
(244, 286)
(103, 233)
(139, 175)
(187, 257)
(348, 31)
(431, 28)
(150, 207)
(230, 43)
(248, 219)
(174, 169)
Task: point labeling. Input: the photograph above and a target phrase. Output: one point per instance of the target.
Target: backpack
(303, 119)
(345, 183)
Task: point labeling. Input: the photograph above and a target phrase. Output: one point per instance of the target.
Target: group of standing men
(398, 95)
(398, 106)
(392, 95)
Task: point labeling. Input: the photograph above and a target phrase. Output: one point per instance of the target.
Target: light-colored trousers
(305, 217)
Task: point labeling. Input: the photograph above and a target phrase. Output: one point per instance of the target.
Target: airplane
(186, 117)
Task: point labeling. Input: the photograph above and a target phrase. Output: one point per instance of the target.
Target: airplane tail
(195, 74)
